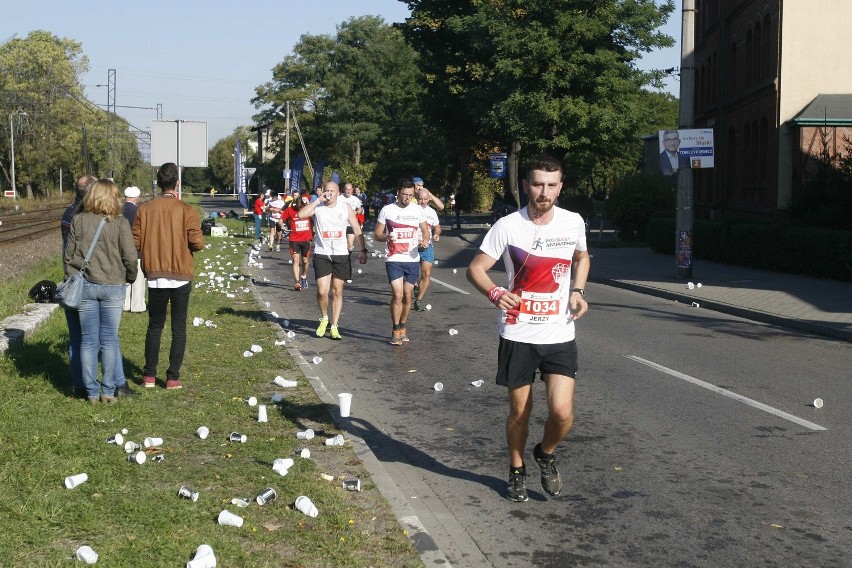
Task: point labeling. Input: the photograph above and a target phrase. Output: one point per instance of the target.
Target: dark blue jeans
(158, 301)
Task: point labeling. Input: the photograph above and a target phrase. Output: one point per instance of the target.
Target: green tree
(220, 159)
(539, 75)
(356, 96)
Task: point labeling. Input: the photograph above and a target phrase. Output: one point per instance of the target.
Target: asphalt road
(661, 469)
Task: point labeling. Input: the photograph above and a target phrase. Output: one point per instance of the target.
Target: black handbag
(69, 293)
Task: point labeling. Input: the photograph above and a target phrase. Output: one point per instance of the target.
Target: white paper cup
(137, 458)
(306, 435)
(252, 401)
(248, 354)
(302, 453)
(453, 331)
(317, 359)
(690, 285)
(203, 432)
(228, 519)
(117, 439)
(197, 321)
(291, 335)
(131, 446)
(204, 558)
(818, 403)
(477, 383)
(428, 306)
(280, 469)
(261, 413)
(86, 554)
(286, 463)
(438, 387)
(73, 481)
(256, 349)
(344, 400)
(285, 383)
(305, 505)
(335, 441)
(152, 442)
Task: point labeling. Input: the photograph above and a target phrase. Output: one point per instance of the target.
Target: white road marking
(726, 392)
(450, 286)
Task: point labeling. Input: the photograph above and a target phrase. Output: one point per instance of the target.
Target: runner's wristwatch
(581, 291)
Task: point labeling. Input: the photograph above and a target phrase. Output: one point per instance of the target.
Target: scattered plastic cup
(285, 383)
(256, 349)
(131, 446)
(344, 400)
(117, 439)
(153, 442)
(698, 285)
(818, 403)
(477, 383)
(439, 387)
(690, 285)
(252, 401)
(454, 270)
(73, 481)
(187, 493)
(137, 458)
(237, 437)
(428, 306)
(352, 484)
(291, 335)
(454, 331)
(305, 435)
(266, 496)
(248, 354)
(306, 506)
(335, 441)
(204, 558)
(317, 359)
(304, 453)
(197, 321)
(228, 519)
(203, 432)
(261, 413)
(86, 554)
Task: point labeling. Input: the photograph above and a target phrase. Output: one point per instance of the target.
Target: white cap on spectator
(132, 191)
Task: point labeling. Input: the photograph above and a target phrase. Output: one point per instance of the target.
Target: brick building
(760, 65)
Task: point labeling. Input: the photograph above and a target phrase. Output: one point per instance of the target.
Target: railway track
(22, 226)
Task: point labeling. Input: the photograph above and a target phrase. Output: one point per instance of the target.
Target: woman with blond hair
(111, 267)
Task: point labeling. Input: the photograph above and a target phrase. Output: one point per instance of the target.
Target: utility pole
(287, 143)
(111, 110)
(684, 214)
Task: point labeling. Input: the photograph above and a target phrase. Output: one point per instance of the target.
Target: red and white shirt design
(330, 222)
(403, 226)
(538, 261)
(300, 229)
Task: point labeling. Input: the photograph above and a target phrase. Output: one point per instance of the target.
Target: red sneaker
(173, 384)
(149, 382)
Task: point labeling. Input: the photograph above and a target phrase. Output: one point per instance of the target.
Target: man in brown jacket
(167, 232)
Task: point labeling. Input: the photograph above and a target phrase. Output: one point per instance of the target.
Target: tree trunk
(514, 156)
(357, 159)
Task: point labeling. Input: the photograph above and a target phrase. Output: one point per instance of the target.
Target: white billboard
(188, 136)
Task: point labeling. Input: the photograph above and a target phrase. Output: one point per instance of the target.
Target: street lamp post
(12, 146)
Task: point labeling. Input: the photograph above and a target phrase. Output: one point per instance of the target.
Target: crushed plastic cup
(237, 437)
(305, 435)
(306, 506)
(116, 439)
(210, 324)
(256, 349)
(303, 453)
(202, 432)
(285, 383)
(137, 458)
(261, 413)
(455, 270)
(197, 321)
(228, 519)
(280, 343)
(285, 463)
(131, 447)
(266, 496)
(252, 401)
(698, 285)
(73, 481)
(428, 306)
(454, 331)
(438, 387)
(696, 305)
(818, 403)
(690, 285)
(241, 502)
(477, 383)
(187, 493)
(335, 441)
(317, 359)
(291, 335)
(203, 558)
(152, 442)
(352, 484)
(86, 554)
(360, 271)
(125, 431)
(274, 314)
(344, 400)
(248, 354)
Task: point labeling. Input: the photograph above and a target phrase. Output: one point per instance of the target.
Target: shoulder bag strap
(92, 246)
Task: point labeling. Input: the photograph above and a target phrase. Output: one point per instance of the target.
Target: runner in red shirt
(301, 236)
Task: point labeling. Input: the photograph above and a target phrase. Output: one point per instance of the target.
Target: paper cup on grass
(302, 453)
(86, 554)
(306, 435)
(237, 437)
(335, 441)
(131, 446)
(203, 432)
(261, 413)
(73, 481)
(137, 458)
(187, 493)
(228, 519)
(203, 558)
(117, 439)
(252, 401)
(305, 505)
(266, 496)
(153, 442)
(256, 349)
(344, 399)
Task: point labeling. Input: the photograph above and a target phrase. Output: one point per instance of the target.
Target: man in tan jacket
(167, 232)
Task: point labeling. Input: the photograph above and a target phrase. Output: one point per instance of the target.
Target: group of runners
(543, 248)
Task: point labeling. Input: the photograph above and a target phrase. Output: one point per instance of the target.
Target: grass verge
(131, 514)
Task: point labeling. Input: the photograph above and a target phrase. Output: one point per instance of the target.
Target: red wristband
(495, 293)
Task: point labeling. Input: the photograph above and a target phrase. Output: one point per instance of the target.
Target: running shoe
(297, 286)
(304, 283)
(149, 382)
(173, 384)
(277, 248)
(551, 481)
(270, 248)
(517, 488)
(335, 333)
(396, 338)
(418, 306)
(323, 325)
(403, 334)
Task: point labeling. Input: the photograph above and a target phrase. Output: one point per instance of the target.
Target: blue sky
(202, 59)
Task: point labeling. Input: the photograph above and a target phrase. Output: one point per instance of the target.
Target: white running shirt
(403, 225)
(538, 262)
(330, 224)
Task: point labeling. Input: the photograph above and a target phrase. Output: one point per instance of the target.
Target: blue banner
(296, 174)
(319, 166)
(239, 175)
(335, 177)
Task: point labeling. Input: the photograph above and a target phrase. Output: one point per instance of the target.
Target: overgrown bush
(634, 201)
